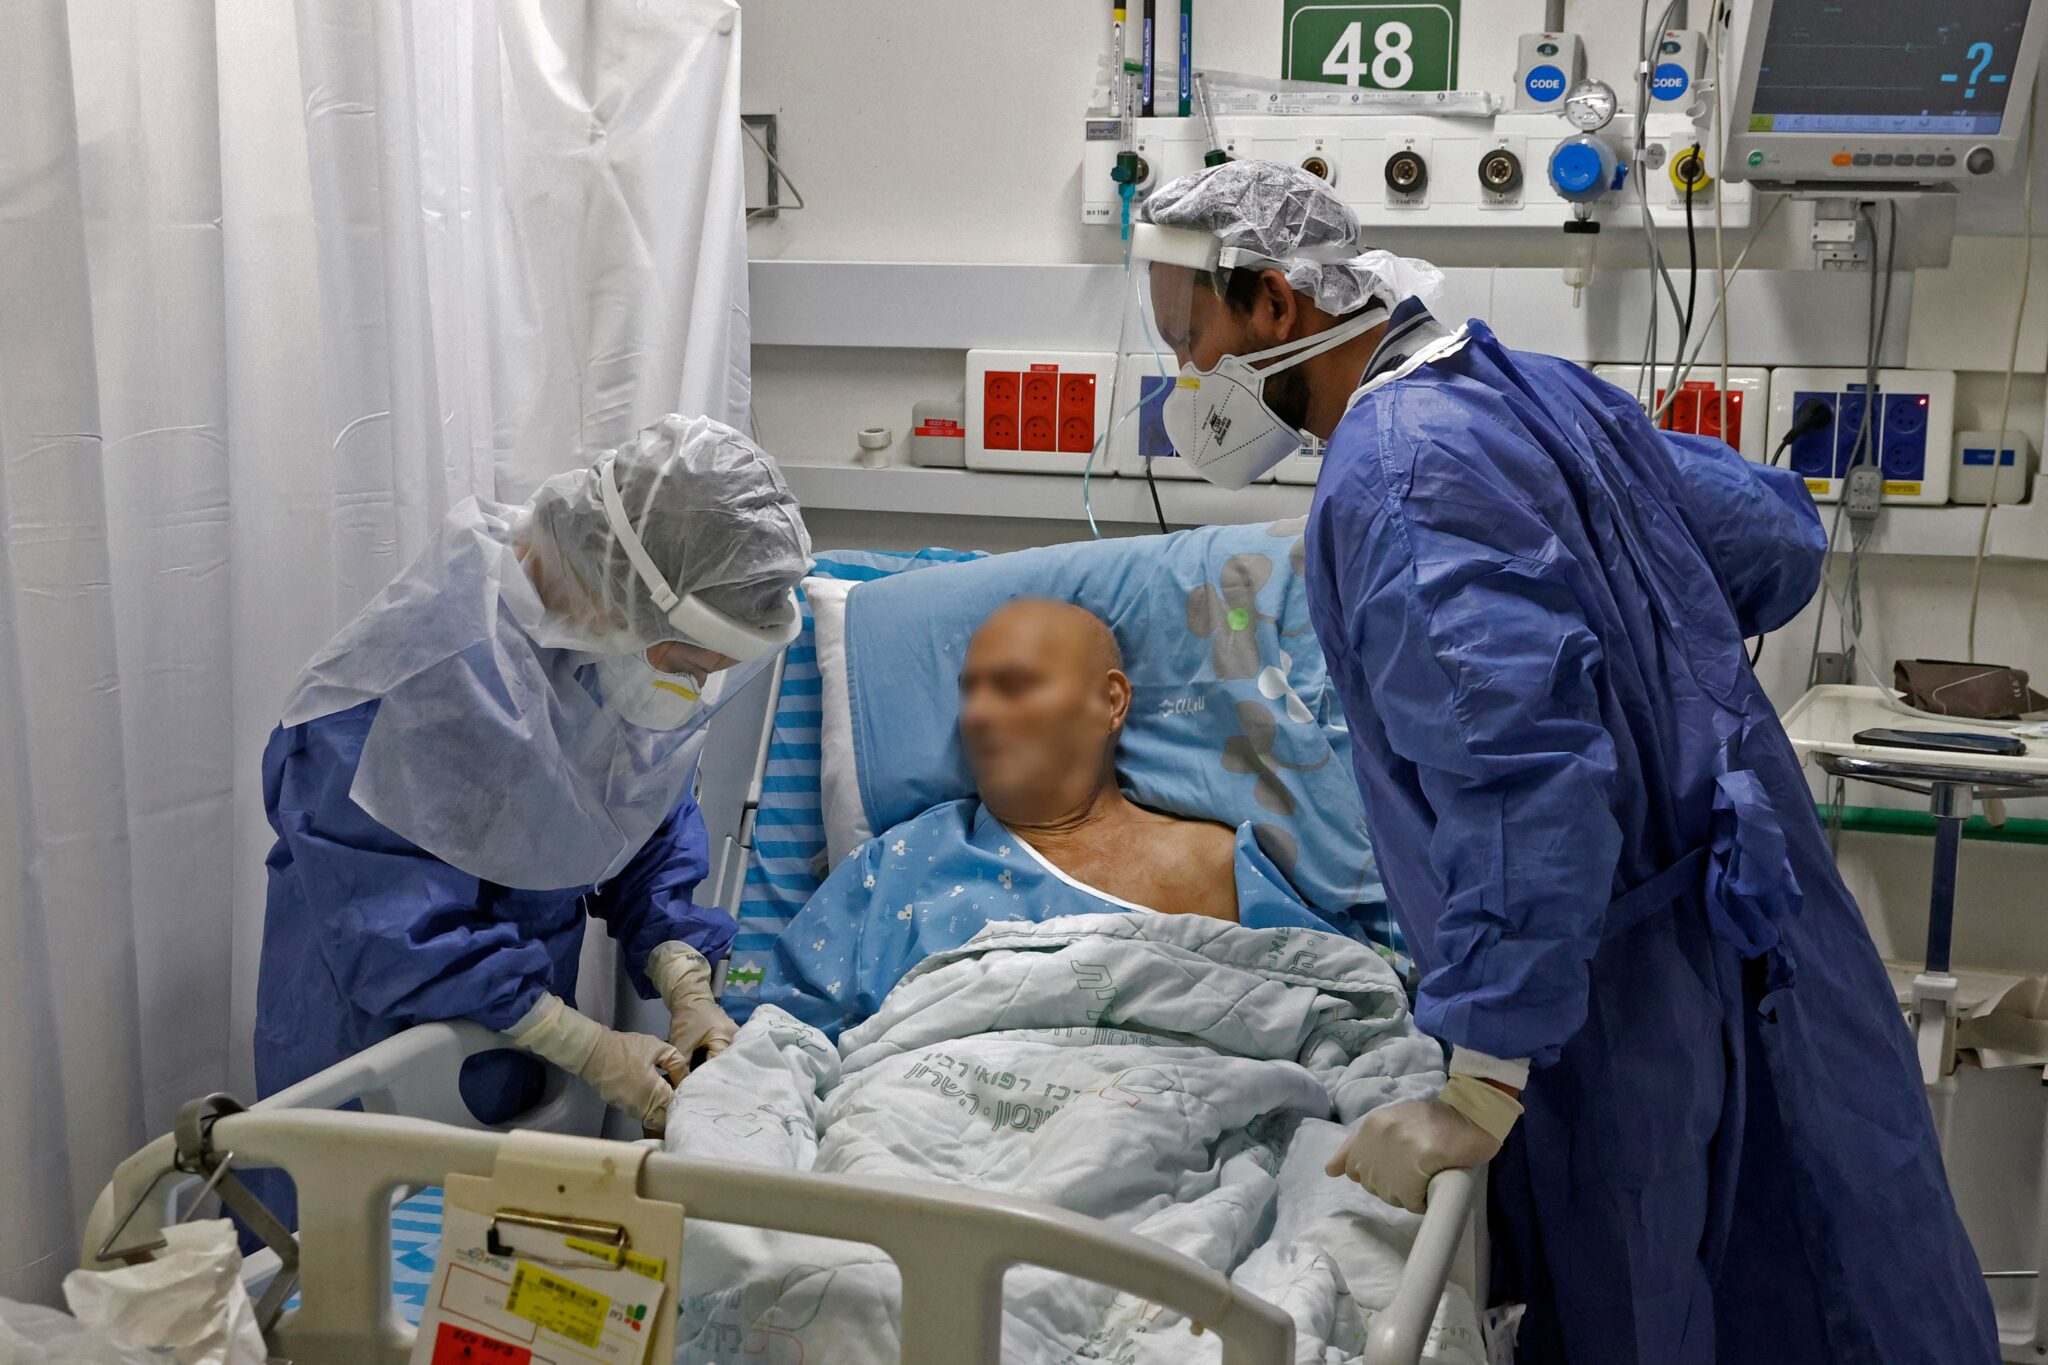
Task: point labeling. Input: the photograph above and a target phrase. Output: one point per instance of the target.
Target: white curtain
(278, 285)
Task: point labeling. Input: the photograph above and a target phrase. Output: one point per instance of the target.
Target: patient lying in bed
(1052, 993)
(1042, 701)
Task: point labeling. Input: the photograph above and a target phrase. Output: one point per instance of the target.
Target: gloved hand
(631, 1071)
(1396, 1148)
(683, 977)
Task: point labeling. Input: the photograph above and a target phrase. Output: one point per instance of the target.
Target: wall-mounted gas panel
(1396, 171)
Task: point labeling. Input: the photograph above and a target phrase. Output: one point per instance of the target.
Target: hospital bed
(368, 1206)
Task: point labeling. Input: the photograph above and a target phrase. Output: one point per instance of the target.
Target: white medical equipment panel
(1038, 412)
(1912, 429)
(1740, 418)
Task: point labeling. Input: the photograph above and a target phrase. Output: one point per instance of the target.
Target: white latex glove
(683, 977)
(1397, 1148)
(631, 1071)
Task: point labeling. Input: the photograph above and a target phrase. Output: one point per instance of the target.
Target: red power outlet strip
(1032, 411)
(1695, 411)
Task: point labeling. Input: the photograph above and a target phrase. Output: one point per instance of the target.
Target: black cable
(1692, 271)
(1813, 414)
(1153, 485)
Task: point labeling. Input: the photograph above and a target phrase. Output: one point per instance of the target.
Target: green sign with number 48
(1390, 46)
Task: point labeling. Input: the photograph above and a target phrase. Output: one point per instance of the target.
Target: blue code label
(1545, 83)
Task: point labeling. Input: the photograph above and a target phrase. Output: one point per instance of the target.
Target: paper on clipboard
(555, 1258)
(545, 1301)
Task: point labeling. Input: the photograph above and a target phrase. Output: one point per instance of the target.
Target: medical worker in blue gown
(1669, 1030)
(500, 745)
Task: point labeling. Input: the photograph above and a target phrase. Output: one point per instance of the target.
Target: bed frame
(952, 1244)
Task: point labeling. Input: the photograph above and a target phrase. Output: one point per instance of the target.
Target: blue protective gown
(366, 934)
(1600, 846)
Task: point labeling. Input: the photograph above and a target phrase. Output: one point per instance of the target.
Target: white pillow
(846, 820)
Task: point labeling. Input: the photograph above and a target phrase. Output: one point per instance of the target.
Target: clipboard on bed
(553, 1259)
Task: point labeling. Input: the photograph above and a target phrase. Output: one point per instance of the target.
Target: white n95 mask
(641, 694)
(1218, 418)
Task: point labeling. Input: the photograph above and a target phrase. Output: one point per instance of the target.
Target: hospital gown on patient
(929, 883)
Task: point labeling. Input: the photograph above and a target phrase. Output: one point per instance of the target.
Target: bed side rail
(729, 784)
(1401, 1329)
(416, 1074)
(951, 1245)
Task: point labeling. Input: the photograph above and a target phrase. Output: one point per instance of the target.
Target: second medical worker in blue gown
(500, 745)
(1670, 1031)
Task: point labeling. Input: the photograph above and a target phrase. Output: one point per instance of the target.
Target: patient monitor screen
(1941, 67)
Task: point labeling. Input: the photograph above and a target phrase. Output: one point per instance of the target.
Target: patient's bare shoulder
(1192, 866)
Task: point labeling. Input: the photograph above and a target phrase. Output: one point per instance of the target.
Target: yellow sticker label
(1816, 486)
(1901, 488)
(1187, 381)
(558, 1305)
(619, 1257)
(610, 1253)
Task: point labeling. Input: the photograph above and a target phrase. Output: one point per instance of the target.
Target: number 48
(1390, 65)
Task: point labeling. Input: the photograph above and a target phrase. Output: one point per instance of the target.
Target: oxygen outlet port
(1689, 171)
(1407, 173)
(1500, 171)
(1319, 167)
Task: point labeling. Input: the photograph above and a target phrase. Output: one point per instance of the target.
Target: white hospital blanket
(1173, 1075)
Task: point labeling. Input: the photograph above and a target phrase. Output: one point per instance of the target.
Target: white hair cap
(1295, 219)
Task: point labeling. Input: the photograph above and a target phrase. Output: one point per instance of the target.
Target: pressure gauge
(1589, 105)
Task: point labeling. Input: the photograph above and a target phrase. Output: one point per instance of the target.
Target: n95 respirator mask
(640, 694)
(1218, 419)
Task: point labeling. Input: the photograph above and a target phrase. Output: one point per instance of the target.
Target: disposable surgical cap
(1295, 219)
(709, 506)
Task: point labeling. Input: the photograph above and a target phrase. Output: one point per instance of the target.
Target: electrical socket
(1041, 392)
(1864, 492)
(1077, 433)
(1038, 432)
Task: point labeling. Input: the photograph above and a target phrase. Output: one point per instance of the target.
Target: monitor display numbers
(1887, 66)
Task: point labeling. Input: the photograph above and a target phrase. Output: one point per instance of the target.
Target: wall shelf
(1778, 317)
(1035, 497)
(2017, 533)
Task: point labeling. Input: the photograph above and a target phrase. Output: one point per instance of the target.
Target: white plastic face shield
(1217, 416)
(726, 652)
